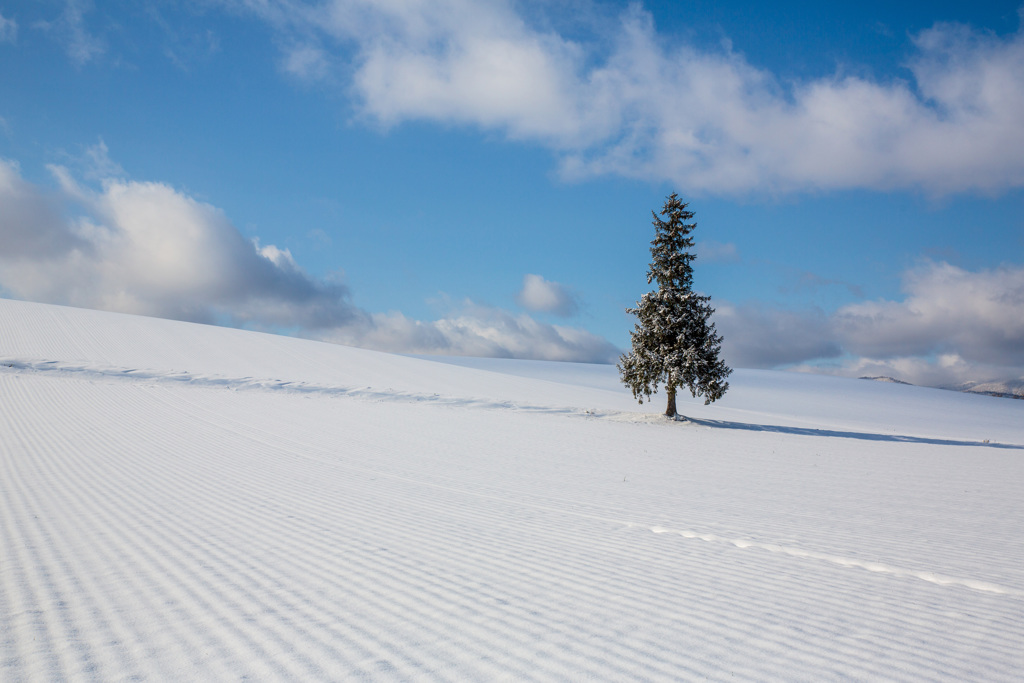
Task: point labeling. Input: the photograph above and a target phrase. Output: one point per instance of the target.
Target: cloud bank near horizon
(717, 124)
(953, 326)
(148, 249)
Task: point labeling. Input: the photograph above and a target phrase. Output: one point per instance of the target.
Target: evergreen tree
(674, 341)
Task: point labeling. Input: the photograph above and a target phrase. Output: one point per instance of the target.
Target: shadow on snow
(864, 436)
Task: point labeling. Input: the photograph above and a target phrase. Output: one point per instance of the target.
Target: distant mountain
(893, 380)
(1013, 388)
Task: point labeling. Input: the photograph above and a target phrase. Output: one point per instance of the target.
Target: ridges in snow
(983, 586)
(97, 339)
(182, 531)
(84, 371)
(157, 525)
(93, 371)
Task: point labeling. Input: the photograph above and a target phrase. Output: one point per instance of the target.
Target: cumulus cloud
(147, 248)
(479, 331)
(755, 337)
(977, 316)
(31, 222)
(543, 296)
(952, 326)
(648, 108)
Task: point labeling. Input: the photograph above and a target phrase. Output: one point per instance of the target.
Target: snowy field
(183, 502)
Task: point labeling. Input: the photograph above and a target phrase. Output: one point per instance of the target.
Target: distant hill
(183, 502)
(893, 380)
(1013, 388)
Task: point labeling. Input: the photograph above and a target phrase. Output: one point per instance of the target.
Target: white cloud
(71, 30)
(478, 331)
(719, 124)
(8, 30)
(98, 164)
(946, 370)
(32, 226)
(756, 337)
(953, 326)
(707, 121)
(976, 316)
(146, 248)
(543, 296)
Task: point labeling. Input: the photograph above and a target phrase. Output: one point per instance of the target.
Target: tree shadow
(864, 436)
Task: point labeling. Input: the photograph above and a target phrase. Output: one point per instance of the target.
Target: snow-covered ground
(183, 502)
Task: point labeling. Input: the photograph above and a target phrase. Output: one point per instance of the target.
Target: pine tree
(674, 341)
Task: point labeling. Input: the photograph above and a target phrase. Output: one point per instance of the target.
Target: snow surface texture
(182, 502)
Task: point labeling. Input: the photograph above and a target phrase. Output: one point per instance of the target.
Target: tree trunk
(671, 410)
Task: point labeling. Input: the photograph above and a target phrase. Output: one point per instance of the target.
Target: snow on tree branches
(674, 340)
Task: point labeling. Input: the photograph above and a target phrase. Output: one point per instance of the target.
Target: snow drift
(187, 502)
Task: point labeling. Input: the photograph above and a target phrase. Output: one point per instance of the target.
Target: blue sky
(477, 178)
